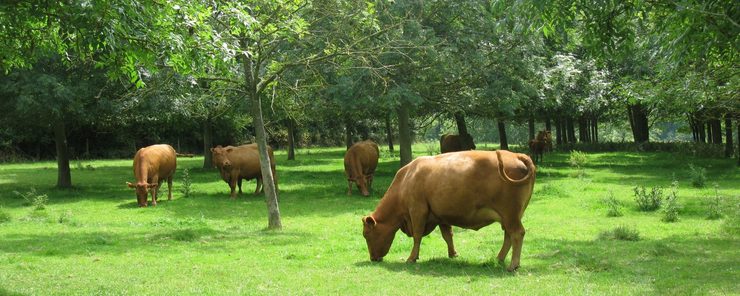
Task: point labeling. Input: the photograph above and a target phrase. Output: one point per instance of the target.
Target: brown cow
(452, 143)
(241, 162)
(540, 144)
(153, 165)
(359, 166)
(546, 137)
(469, 189)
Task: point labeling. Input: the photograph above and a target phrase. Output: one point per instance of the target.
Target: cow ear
(130, 185)
(369, 221)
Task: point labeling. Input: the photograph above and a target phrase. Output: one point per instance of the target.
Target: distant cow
(452, 143)
(540, 144)
(359, 166)
(241, 163)
(153, 165)
(546, 137)
(469, 189)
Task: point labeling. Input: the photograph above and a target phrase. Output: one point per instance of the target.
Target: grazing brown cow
(546, 137)
(452, 143)
(540, 144)
(359, 166)
(153, 165)
(469, 189)
(241, 163)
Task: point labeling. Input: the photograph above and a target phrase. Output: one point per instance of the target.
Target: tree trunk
(389, 132)
(404, 133)
(702, 132)
(291, 139)
(502, 135)
(548, 126)
(728, 137)
(64, 175)
(348, 132)
(639, 123)
(595, 130)
(207, 144)
(558, 132)
(530, 124)
(716, 131)
(570, 129)
(738, 142)
(462, 128)
(582, 129)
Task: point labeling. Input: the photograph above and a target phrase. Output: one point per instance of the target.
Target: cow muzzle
(378, 259)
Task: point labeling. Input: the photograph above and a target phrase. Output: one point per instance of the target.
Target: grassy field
(94, 240)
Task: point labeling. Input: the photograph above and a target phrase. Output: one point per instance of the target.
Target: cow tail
(527, 161)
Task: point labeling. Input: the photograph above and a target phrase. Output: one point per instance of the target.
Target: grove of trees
(104, 78)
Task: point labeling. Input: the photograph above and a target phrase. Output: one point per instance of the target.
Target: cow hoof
(512, 268)
(452, 255)
(411, 260)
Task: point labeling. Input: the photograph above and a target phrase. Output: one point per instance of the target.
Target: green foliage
(714, 207)
(613, 206)
(187, 183)
(4, 216)
(648, 201)
(577, 159)
(37, 200)
(672, 207)
(698, 176)
(621, 232)
(731, 223)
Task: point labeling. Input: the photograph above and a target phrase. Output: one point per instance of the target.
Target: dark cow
(540, 144)
(359, 166)
(469, 189)
(241, 163)
(153, 165)
(452, 143)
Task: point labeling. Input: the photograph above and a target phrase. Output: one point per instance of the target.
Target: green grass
(93, 239)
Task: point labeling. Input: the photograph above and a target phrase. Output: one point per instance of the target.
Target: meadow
(94, 240)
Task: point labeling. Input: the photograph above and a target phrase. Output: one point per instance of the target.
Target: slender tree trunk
(207, 144)
(595, 127)
(738, 142)
(462, 128)
(570, 129)
(582, 129)
(716, 131)
(639, 123)
(348, 132)
(530, 124)
(268, 180)
(692, 125)
(728, 137)
(548, 126)
(64, 175)
(404, 133)
(291, 139)
(502, 135)
(389, 132)
(558, 131)
(702, 131)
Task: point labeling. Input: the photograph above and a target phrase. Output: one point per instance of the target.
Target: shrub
(648, 201)
(698, 176)
(715, 205)
(620, 233)
(33, 198)
(613, 207)
(577, 158)
(671, 209)
(431, 147)
(187, 183)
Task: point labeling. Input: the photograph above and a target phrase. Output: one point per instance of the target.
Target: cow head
(142, 191)
(466, 142)
(220, 157)
(378, 236)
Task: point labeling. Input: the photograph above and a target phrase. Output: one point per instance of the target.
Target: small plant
(4, 216)
(715, 205)
(613, 207)
(620, 233)
(34, 198)
(698, 176)
(648, 201)
(432, 148)
(187, 183)
(671, 209)
(577, 159)
(65, 218)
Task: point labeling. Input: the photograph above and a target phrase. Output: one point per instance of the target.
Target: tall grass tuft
(187, 183)
(648, 201)
(623, 233)
(613, 207)
(578, 159)
(4, 216)
(715, 205)
(38, 201)
(698, 176)
(672, 207)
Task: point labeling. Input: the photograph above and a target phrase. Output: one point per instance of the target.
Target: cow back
(160, 160)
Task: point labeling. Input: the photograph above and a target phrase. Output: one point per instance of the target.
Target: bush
(613, 207)
(33, 198)
(715, 205)
(620, 233)
(671, 209)
(577, 158)
(187, 183)
(648, 201)
(698, 176)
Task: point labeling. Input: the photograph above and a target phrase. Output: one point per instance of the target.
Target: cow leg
(169, 187)
(240, 185)
(369, 182)
(349, 187)
(259, 187)
(418, 225)
(504, 248)
(233, 180)
(515, 232)
(447, 236)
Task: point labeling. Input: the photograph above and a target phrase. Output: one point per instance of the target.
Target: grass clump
(577, 159)
(672, 207)
(715, 205)
(613, 206)
(185, 235)
(4, 216)
(187, 183)
(648, 201)
(698, 176)
(38, 201)
(622, 233)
